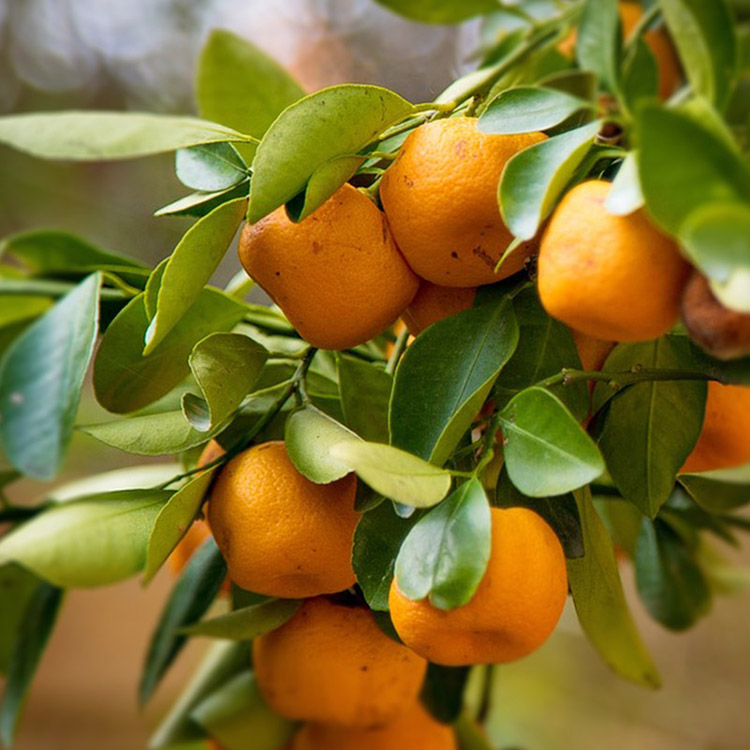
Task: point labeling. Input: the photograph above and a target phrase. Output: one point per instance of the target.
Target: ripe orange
(332, 664)
(281, 534)
(433, 303)
(616, 278)
(440, 197)
(413, 730)
(724, 441)
(514, 610)
(338, 275)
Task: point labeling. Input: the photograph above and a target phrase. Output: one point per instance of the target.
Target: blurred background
(141, 55)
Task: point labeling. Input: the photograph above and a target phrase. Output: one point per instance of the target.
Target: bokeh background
(141, 55)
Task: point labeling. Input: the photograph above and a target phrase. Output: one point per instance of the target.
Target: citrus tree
(509, 346)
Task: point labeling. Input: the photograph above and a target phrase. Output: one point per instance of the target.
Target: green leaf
(526, 109)
(625, 197)
(190, 267)
(446, 375)
(215, 166)
(443, 691)
(246, 623)
(719, 491)
(93, 541)
(18, 586)
(165, 433)
(333, 122)
(310, 436)
(173, 521)
(440, 11)
(717, 240)
(365, 391)
(394, 473)
(445, 555)
(22, 308)
(39, 620)
(237, 717)
(99, 136)
(547, 452)
(669, 579)
(704, 34)
(190, 598)
(226, 366)
(600, 602)
(127, 478)
(377, 540)
(650, 428)
(534, 179)
(469, 735)
(41, 376)
(685, 165)
(202, 203)
(599, 44)
(640, 75)
(125, 380)
(240, 86)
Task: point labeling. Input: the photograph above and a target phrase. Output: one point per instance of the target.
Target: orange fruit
(514, 610)
(433, 303)
(440, 197)
(413, 730)
(332, 664)
(281, 534)
(721, 332)
(592, 352)
(617, 278)
(338, 275)
(724, 441)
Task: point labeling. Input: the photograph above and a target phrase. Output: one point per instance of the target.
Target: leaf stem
(621, 379)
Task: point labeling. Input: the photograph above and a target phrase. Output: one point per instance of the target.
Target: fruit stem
(445, 107)
(617, 380)
(398, 350)
(486, 702)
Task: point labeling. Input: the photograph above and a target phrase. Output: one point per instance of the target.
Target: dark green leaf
(440, 11)
(445, 555)
(719, 491)
(215, 166)
(94, 541)
(600, 602)
(247, 623)
(443, 691)
(547, 452)
(41, 376)
(365, 391)
(599, 42)
(39, 620)
(535, 178)
(18, 586)
(640, 75)
(190, 598)
(446, 375)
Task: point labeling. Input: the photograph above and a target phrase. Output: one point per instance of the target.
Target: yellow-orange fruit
(338, 275)
(514, 610)
(724, 441)
(615, 278)
(281, 534)
(332, 664)
(440, 197)
(433, 303)
(592, 352)
(413, 730)
(723, 333)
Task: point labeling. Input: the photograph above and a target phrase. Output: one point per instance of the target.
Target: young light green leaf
(534, 179)
(161, 434)
(98, 136)
(333, 122)
(226, 366)
(706, 39)
(174, 519)
(41, 376)
(547, 452)
(191, 597)
(39, 621)
(600, 602)
(626, 196)
(246, 623)
(650, 428)
(89, 542)
(238, 717)
(445, 555)
(446, 375)
(22, 308)
(125, 380)
(599, 44)
(202, 203)
(716, 238)
(526, 109)
(394, 473)
(469, 735)
(719, 491)
(685, 165)
(365, 391)
(190, 267)
(310, 436)
(18, 586)
(215, 166)
(440, 11)
(127, 478)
